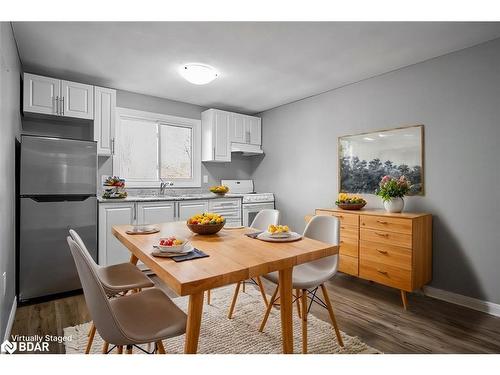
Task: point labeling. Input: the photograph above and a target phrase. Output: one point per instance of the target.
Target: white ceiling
(261, 65)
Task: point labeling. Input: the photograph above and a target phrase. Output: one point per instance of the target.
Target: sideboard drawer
(385, 254)
(348, 246)
(348, 265)
(384, 237)
(384, 274)
(349, 231)
(391, 224)
(345, 219)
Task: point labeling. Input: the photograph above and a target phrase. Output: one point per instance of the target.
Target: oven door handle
(253, 205)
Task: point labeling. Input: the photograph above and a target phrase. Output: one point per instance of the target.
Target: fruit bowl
(350, 202)
(172, 244)
(219, 190)
(351, 206)
(206, 223)
(206, 228)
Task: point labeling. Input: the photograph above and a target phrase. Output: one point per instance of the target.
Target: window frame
(160, 119)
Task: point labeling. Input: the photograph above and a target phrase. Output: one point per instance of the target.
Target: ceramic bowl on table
(172, 248)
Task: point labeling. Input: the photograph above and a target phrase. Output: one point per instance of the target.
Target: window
(152, 147)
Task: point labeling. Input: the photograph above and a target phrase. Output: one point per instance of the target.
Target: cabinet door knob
(382, 234)
(382, 251)
(382, 272)
(382, 222)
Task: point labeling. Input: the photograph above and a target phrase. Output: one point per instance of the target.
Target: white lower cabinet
(190, 208)
(229, 208)
(155, 212)
(111, 251)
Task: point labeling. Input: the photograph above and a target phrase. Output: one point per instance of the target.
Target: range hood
(246, 149)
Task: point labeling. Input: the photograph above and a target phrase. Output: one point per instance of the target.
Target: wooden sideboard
(394, 249)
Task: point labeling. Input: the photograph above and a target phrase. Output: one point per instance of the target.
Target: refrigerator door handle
(58, 198)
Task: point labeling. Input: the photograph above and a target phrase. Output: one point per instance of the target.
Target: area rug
(240, 335)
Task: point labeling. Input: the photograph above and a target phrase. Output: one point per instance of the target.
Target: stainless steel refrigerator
(57, 192)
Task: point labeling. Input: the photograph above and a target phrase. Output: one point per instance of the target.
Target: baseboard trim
(459, 299)
(10, 322)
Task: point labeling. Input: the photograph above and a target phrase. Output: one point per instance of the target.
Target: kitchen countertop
(155, 198)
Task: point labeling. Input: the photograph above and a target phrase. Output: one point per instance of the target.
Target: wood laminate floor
(367, 310)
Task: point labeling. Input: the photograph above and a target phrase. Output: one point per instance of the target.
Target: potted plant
(392, 190)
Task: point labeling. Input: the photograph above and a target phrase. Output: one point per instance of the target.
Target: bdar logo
(8, 347)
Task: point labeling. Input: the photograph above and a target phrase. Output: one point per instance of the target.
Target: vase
(394, 204)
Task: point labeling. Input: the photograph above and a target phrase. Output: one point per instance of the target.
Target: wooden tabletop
(232, 257)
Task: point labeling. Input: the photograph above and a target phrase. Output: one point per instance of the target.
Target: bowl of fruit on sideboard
(206, 223)
(350, 202)
(219, 190)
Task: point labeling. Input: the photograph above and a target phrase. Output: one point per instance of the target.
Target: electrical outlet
(4, 284)
(205, 179)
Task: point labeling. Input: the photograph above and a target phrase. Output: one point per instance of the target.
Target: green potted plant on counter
(392, 190)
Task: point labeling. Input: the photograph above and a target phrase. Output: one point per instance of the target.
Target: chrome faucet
(164, 185)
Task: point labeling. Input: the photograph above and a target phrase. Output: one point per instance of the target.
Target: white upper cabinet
(77, 100)
(253, 130)
(51, 96)
(237, 128)
(104, 120)
(41, 94)
(220, 129)
(216, 145)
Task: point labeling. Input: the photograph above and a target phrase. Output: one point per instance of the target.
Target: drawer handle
(382, 251)
(382, 272)
(341, 241)
(382, 222)
(340, 216)
(382, 234)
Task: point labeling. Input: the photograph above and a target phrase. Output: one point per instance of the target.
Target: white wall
(457, 98)
(10, 124)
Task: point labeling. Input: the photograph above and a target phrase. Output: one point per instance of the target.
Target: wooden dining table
(232, 257)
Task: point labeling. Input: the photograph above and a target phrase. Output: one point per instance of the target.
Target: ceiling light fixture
(198, 74)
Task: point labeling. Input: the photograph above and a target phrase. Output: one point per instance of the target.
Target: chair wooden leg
(129, 349)
(160, 347)
(208, 296)
(119, 349)
(243, 286)
(91, 339)
(332, 315)
(404, 299)
(91, 328)
(268, 310)
(262, 291)
(297, 300)
(105, 347)
(303, 299)
(233, 303)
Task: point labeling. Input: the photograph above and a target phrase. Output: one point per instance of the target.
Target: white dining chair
(309, 277)
(262, 220)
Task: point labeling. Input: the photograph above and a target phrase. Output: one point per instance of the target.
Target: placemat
(195, 254)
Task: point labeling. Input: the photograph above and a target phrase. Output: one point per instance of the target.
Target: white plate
(164, 254)
(278, 235)
(264, 236)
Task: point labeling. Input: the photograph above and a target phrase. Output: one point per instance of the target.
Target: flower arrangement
(390, 187)
(350, 202)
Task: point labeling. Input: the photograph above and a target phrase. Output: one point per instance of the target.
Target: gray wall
(10, 123)
(457, 98)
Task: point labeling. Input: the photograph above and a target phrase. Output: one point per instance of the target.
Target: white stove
(252, 202)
